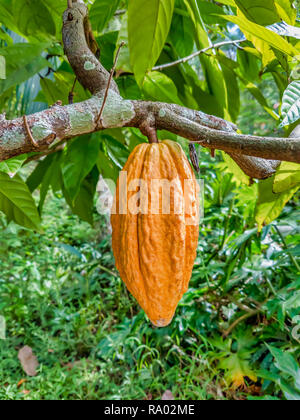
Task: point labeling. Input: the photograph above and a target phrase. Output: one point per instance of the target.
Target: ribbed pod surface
(155, 240)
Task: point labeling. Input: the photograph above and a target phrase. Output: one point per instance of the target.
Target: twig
(71, 93)
(28, 131)
(293, 259)
(195, 54)
(239, 320)
(109, 82)
(120, 12)
(70, 4)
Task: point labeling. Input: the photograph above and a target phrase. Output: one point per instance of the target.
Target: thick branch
(197, 53)
(89, 71)
(64, 122)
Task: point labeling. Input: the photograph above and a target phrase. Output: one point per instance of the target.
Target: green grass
(61, 295)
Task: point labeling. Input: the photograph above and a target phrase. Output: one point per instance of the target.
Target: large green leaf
(51, 177)
(211, 69)
(264, 34)
(261, 12)
(101, 12)
(36, 177)
(270, 205)
(287, 177)
(32, 17)
(84, 203)
(117, 152)
(148, 27)
(290, 110)
(286, 11)
(17, 203)
(233, 168)
(12, 165)
(182, 35)
(22, 62)
(79, 160)
(107, 168)
(56, 8)
(159, 87)
(123, 63)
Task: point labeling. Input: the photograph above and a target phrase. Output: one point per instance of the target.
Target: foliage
(236, 330)
(61, 295)
(153, 32)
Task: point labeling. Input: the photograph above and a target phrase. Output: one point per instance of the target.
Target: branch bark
(257, 156)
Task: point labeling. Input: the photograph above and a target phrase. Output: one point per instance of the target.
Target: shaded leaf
(287, 177)
(290, 110)
(148, 26)
(264, 13)
(17, 203)
(79, 159)
(101, 12)
(270, 205)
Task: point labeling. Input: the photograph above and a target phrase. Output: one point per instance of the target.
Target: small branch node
(99, 118)
(148, 129)
(57, 103)
(29, 133)
(71, 93)
(194, 157)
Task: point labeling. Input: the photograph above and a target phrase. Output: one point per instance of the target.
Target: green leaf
(32, 17)
(56, 8)
(264, 34)
(233, 168)
(101, 12)
(117, 152)
(211, 13)
(286, 11)
(284, 361)
(233, 90)
(17, 203)
(107, 168)
(257, 94)
(227, 2)
(22, 62)
(270, 205)
(212, 72)
(148, 27)
(79, 160)
(261, 12)
(182, 35)
(159, 87)
(51, 176)
(287, 177)
(12, 165)
(290, 110)
(36, 177)
(84, 203)
(123, 63)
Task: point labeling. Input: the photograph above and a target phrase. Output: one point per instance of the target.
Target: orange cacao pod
(156, 229)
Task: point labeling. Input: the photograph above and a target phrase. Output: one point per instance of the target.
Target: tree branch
(195, 54)
(61, 123)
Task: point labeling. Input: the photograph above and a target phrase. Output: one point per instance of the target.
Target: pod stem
(148, 130)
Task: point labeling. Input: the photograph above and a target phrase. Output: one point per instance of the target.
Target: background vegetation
(236, 331)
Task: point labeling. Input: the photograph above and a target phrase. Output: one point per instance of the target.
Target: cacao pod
(155, 231)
